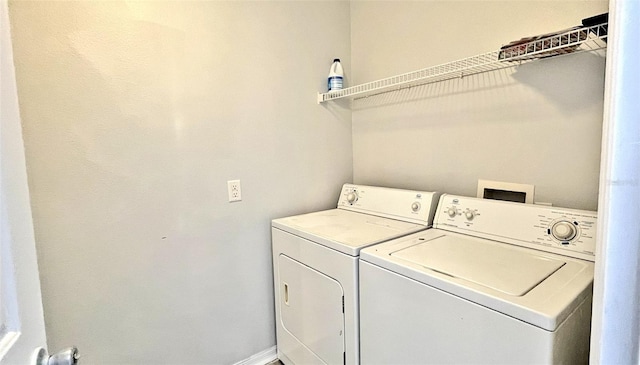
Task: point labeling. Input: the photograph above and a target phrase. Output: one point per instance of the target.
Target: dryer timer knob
(352, 197)
(452, 212)
(415, 206)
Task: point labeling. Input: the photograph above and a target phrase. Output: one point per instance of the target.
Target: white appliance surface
(403, 321)
(567, 232)
(494, 282)
(365, 215)
(323, 335)
(344, 230)
(488, 264)
(536, 287)
(315, 259)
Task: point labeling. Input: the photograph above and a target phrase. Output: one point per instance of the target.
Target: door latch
(68, 356)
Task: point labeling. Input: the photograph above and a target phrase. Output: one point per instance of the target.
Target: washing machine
(492, 283)
(315, 268)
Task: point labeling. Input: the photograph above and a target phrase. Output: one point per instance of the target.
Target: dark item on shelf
(595, 20)
(534, 47)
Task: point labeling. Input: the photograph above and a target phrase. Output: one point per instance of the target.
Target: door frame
(615, 333)
(20, 283)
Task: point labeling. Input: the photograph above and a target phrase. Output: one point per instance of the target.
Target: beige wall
(135, 115)
(539, 123)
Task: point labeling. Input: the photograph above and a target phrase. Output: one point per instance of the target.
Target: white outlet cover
(234, 190)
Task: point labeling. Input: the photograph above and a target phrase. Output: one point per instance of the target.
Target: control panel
(568, 232)
(406, 205)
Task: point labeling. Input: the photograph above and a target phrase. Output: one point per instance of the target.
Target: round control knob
(563, 231)
(469, 215)
(352, 197)
(415, 206)
(452, 212)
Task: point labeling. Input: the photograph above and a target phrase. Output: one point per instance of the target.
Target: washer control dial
(452, 212)
(564, 231)
(415, 206)
(469, 214)
(352, 197)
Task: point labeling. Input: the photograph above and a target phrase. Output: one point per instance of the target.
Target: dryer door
(311, 310)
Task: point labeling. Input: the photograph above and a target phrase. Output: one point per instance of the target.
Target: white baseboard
(261, 358)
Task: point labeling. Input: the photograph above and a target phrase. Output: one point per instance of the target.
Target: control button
(452, 212)
(352, 197)
(415, 206)
(563, 231)
(469, 214)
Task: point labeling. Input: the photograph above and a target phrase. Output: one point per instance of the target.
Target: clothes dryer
(315, 268)
(493, 283)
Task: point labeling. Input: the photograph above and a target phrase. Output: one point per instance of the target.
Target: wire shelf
(575, 40)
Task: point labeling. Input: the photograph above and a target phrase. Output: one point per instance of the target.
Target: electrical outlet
(235, 193)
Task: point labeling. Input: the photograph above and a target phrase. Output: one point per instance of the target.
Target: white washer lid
(546, 305)
(494, 266)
